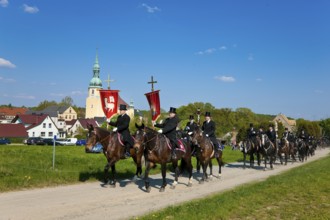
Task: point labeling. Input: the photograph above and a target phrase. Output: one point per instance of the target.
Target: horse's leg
(244, 162)
(189, 167)
(163, 168)
(219, 160)
(211, 168)
(251, 159)
(265, 159)
(106, 173)
(113, 176)
(146, 176)
(176, 173)
(198, 164)
(258, 157)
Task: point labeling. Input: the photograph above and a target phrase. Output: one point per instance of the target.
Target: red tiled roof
(31, 119)
(84, 122)
(12, 111)
(71, 122)
(13, 130)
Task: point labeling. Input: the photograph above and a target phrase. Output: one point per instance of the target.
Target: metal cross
(109, 81)
(152, 82)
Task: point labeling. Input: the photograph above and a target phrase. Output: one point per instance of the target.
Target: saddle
(179, 144)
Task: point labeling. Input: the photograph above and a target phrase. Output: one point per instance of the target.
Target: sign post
(54, 144)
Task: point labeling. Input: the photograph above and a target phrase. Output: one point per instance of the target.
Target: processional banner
(109, 100)
(154, 103)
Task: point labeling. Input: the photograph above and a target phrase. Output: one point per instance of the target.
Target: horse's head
(197, 135)
(92, 139)
(139, 136)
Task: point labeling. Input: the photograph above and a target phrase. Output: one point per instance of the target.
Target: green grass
(23, 167)
(301, 193)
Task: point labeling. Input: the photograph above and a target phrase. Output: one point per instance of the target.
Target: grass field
(24, 166)
(301, 193)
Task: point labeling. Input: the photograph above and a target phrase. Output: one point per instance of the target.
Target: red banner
(109, 100)
(154, 103)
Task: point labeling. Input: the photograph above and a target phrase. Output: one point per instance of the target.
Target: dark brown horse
(268, 150)
(157, 150)
(205, 153)
(251, 147)
(113, 150)
(284, 150)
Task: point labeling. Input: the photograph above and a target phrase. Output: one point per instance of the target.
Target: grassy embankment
(24, 167)
(300, 193)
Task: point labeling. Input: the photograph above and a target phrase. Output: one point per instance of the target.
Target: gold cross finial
(109, 81)
(152, 82)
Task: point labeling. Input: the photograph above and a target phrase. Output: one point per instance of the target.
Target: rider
(209, 131)
(122, 127)
(251, 133)
(271, 134)
(191, 125)
(169, 129)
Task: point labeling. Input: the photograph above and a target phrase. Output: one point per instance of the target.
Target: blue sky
(272, 56)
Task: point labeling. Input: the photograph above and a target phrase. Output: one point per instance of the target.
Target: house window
(42, 134)
(50, 134)
(70, 111)
(66, 117)
(44, 125)
(32, 134)
(69, 116)
(50, 125)
(92, 91)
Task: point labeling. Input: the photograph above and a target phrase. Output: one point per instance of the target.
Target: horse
(268, 150)
(302, 150)
(113, 150)
(157, 150)
(205, 153)
(284, 149)
(251, 147)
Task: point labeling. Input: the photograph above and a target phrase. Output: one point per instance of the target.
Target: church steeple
(96, 81)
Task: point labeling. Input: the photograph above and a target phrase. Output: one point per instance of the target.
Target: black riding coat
(169, 127)
(209, 129)
(271, 135)
(190, 127)
(122, 125)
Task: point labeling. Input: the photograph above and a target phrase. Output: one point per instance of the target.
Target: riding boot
(173, 153)
(216, 151)
(127, 151)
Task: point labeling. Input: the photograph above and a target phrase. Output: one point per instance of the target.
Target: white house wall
(45, 131)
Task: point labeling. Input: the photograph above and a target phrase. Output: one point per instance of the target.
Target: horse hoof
(162, 189)
(148, 189)
(172, 187)
(201, 181)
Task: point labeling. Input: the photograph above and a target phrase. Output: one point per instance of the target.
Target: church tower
(93, 101)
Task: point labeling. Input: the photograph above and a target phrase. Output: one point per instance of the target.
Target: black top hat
(172, 110)
(191, 117)
(122, 107)
(207, 114)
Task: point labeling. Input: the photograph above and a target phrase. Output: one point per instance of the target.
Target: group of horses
(282, 149)
(155, 148)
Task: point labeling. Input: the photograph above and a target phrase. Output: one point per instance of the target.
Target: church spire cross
(109, 81)
(152, 82)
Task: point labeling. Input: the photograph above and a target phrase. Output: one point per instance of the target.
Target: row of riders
(169, 145)
(162, 146)
(270, 146)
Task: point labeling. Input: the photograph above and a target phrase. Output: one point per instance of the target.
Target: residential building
(37, 125)
(287, 123)
(13, 131)
(7, 114)
(81, 123)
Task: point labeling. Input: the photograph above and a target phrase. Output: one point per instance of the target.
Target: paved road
(91, 201)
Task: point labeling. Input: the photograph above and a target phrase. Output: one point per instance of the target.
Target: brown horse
(113, 150)
(284, 150)
(268, 150)
(251, 147)
(205, 153)
(157, 149)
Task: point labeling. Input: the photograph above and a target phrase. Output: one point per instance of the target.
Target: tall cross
(109, 81)
(152, 82)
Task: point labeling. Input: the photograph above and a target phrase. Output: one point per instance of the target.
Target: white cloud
(250, 57)
(223, 48)
(6, 63)
(225, 78)
(30, 9)
(4, 3)
(23, 96)
(207, 51)
(78, 93)
(150, 9)
(58, 94)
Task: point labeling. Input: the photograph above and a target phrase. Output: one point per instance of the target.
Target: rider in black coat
(169, 129)
(209, 131)
(191, 125)
(122, 126)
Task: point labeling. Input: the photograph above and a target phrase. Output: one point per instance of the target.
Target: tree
(44, 104)
(66, 101)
